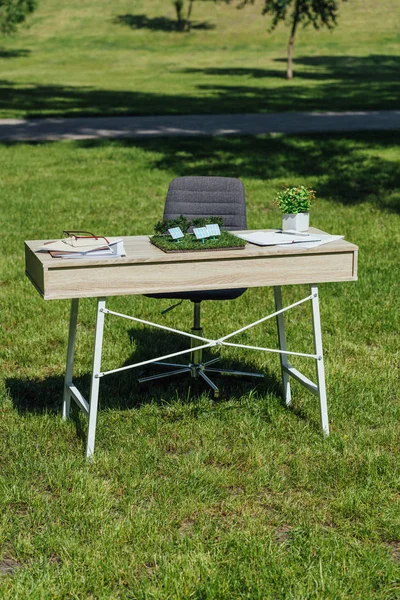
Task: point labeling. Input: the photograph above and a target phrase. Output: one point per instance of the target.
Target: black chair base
(198, 371)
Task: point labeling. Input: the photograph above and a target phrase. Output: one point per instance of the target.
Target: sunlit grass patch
(124, 58)
(188, 497)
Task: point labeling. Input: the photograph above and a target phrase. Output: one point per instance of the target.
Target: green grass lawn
(186, 497)
(124, 57)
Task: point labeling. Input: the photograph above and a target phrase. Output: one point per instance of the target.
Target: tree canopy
(14, 12)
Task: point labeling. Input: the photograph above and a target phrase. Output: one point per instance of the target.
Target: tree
(319, 13)
(14, 12)
(183, 22)
(179, 14)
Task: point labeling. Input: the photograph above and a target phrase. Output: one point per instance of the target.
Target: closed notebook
(79, 246)
(276, 238)
(115, 250)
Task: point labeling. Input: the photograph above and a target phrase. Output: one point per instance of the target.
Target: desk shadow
(122, 390)
(161, 343)
(41, 396)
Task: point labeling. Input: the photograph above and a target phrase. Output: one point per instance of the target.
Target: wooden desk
(148, 270)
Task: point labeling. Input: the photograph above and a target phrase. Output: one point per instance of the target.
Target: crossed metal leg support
(90, 408)
(197, 368)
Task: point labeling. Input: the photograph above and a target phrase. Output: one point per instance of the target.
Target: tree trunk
(289, 72)
(296, 15)
(188, 23)
(180, 23)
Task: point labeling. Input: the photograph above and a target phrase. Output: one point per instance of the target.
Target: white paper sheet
(277, 238)
(325, 239)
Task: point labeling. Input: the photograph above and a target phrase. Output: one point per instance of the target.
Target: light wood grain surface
(147, 269)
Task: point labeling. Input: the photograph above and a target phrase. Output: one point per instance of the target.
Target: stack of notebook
(85, 248)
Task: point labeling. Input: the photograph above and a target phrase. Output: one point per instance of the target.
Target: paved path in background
(195, 125)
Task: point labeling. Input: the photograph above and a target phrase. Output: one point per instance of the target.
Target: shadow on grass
(122, 390)
(250, 72)
(383, 68)
(348, 171)
(156, 23)
(364, 87)
(372, 69)
(14, 53)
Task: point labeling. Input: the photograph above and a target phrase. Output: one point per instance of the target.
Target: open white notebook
(278, 238)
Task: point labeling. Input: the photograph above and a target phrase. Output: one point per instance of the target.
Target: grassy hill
(126, 57)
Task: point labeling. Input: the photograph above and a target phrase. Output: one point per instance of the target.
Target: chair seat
(229, 294)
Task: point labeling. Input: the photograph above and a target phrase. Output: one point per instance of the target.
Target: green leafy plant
(189, 242)
(161, 227)
(181, 222)
(203, 221)
(295, 200)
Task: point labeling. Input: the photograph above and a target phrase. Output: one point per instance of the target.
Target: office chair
(204, 197)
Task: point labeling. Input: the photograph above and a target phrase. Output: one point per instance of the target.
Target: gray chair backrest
(205, 197)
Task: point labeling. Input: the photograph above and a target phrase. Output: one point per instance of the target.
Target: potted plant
(295, 203)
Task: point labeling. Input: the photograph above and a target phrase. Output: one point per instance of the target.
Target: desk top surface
(148, 270)
(139, 249)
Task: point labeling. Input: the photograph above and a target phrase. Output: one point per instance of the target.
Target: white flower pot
(299, 221)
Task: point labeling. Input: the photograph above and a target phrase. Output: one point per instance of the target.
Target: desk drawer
(145, 278)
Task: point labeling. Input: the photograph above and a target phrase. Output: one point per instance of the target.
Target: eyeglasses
(83, 235)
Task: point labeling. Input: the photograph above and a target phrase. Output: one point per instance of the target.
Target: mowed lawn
(187, 497)
(91, 57)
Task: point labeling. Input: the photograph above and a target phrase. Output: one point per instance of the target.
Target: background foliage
(13, 13)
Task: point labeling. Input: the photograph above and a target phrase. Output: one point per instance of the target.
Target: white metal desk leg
(69, 369)
(320, 360)
(282, 346)
(95, 383)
